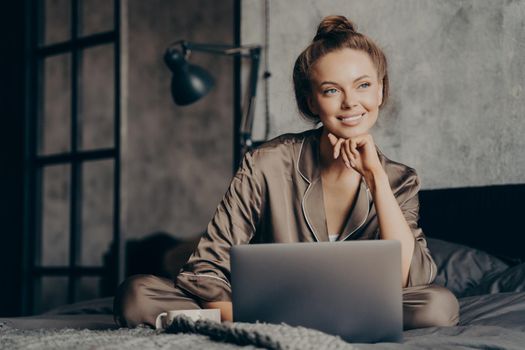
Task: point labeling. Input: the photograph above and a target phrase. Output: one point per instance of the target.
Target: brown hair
(334, 33)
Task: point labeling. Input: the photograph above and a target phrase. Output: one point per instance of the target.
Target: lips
(351, 119)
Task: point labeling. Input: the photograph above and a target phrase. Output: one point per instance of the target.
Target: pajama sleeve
(422, 267)
(206, 275)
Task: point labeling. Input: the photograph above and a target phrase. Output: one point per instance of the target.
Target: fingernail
(347, 165)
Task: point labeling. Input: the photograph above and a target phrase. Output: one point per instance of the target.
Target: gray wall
(457, 71)
(177, 161)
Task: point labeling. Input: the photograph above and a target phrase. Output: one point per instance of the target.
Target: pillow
(461, 268)
(510, 280)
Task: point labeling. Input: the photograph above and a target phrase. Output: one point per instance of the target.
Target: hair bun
(334, 25)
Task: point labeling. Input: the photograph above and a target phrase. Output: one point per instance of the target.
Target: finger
(351, 157)
(347, 148)
(361, 141)
(345, 157)
(333, 139)
(349, 154)
(337, 148)
(353, 149)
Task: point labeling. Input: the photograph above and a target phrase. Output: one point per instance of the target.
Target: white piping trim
(367, 212)
(203, 275)
(306, 192)
(297, 164)
(304, 212)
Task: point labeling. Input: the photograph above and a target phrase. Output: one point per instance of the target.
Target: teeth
(352, 118)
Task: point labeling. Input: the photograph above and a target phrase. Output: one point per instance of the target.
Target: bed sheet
(486, 322)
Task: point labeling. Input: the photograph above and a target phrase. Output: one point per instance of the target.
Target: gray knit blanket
(183, 333)
(262, 335)
(186, 334)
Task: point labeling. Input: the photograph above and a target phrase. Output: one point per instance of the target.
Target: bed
(491, 292)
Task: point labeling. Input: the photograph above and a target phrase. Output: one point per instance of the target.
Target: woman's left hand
(357, 152)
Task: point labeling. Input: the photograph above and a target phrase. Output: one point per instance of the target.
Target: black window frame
(75, 157)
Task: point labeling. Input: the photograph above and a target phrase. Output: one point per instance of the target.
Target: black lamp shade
(189, 82)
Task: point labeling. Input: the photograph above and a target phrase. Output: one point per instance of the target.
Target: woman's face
(346, 93)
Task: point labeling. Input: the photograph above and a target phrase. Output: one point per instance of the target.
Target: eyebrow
(332, 82)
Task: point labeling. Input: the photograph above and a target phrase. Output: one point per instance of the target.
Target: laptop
(350, 289)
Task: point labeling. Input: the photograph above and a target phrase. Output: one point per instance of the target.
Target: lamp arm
(248, 111)
(228, 50)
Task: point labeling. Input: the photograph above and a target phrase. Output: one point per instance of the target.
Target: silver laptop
(349, 289)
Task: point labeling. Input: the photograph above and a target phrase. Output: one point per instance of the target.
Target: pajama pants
(141, 298)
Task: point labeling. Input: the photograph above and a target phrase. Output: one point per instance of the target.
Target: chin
(347, 132)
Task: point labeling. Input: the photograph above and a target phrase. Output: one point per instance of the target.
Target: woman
(324, 184)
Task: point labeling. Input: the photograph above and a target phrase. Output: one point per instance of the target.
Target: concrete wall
(457, 72)
(177, 161)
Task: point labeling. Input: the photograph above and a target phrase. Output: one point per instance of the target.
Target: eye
(330, 91)
(364, 85)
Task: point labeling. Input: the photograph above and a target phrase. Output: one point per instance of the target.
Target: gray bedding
(487, 322)
(492, 316)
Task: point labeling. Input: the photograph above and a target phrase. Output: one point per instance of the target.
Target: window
(72, 236)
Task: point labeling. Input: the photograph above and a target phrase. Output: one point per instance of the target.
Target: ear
(311, 104)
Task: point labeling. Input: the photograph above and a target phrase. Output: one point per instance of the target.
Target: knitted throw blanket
(264, 335)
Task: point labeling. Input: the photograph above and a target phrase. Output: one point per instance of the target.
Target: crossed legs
(141, 298)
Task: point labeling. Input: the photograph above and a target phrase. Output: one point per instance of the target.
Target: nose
(348, 101)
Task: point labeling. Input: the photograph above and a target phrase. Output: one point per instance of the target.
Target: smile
(351, 119)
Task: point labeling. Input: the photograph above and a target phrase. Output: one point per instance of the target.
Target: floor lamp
(189, 82)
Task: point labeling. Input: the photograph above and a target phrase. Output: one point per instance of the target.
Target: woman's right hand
(358, 153)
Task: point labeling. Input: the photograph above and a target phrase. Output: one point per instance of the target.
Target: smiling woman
(333, 34)
(340, 80)
(346, 92)
(326, 184)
